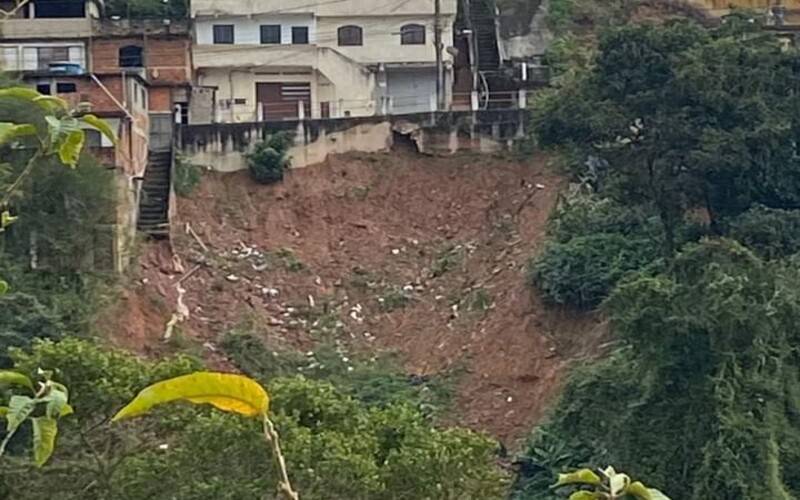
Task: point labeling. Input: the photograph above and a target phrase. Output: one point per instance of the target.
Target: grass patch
(447, 259)
(374, 381)
(394, 298)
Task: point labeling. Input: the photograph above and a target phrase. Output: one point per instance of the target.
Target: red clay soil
(453, 235)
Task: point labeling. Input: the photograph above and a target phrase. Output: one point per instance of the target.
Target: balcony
(61, 28)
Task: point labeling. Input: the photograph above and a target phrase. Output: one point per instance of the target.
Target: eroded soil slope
(422, 256)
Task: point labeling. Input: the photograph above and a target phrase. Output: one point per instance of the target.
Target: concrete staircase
(482, 18)
(154, 202)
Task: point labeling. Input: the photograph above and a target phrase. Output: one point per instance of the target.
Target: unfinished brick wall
(166, 59)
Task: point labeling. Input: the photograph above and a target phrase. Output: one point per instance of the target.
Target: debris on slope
(421, 256)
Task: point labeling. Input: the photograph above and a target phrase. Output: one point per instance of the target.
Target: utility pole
(437, 41)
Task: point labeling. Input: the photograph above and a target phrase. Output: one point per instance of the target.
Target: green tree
(701, 395)
(678, 117)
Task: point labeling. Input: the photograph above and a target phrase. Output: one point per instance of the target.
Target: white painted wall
(381, 38)
(347, 8)
(248, 30)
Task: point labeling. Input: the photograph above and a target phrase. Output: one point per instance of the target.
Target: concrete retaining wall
(222, 146)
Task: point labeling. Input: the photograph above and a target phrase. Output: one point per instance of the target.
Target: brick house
(133, 74)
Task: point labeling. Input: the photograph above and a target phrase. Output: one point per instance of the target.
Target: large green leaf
(3, 286)
(582, 476)
(10, 131)
(19, 408)
(69, 150)
(13, 378)
(51, 103)
(56, 403)
(101, 125)
(226, 391)
(44, 438)
(23, 93)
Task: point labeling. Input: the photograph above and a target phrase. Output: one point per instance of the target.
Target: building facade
(274, 60)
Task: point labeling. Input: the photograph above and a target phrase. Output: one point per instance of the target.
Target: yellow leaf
(585, 495)
(44, 439)
(70, 148)
(226, 391)
(637, 490)
(582, 476)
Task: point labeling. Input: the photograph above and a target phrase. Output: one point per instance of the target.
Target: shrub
(268, 161)
(187, 176)
(770, 232)
(582, 271)
(584, 214)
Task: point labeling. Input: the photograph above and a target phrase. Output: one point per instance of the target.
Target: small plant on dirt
(394, 298)
(479, 300)
(269, 160)
(290, 260)
(447, 260)
(187, 176)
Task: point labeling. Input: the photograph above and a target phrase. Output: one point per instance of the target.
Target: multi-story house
(135, 75)
(277, 59)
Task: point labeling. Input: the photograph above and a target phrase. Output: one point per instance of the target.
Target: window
(49, 55)
(299, 35)
(130, 56)
(43, 88)
(66, 88)
(59, 9)
(412, 34)
(270, 33)
(223, 33)
(92, 138)
(350, 35)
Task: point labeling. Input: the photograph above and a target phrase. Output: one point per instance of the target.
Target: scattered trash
(395, 251)
(539, 186)
(232, 278)
(311, 302)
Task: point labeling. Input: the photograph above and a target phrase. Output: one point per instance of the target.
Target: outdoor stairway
(154, 201)
(482, 18)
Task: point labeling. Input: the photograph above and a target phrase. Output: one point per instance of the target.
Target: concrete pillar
(433, 104)
(384, 105)
(301, 110)
(522, 99)
(473, 100)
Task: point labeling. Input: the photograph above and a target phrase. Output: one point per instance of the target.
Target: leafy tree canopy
(678, 117)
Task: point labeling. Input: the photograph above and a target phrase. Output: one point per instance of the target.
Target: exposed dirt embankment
(422, 256)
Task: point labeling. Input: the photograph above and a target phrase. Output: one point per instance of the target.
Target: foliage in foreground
(335, 446)
(701, 396)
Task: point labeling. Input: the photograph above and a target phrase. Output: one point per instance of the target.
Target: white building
(339, 57)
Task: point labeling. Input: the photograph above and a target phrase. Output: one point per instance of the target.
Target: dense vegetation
(685, 139)
(336, 446)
